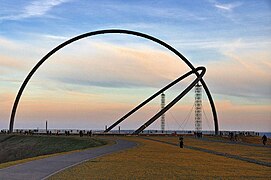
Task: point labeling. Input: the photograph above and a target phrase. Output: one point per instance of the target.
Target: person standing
(81, 133)
(264, 138)
(181, 141)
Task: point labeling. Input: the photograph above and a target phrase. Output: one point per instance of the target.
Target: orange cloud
(246, 75)
(112, 65)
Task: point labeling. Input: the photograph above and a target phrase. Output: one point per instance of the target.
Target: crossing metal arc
(151, 98)
(174, 101)
(107, 31)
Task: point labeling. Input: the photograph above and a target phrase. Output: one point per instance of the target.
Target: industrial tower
(163, 117)
(198, 110)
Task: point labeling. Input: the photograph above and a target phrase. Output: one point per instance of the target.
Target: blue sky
(231, 38)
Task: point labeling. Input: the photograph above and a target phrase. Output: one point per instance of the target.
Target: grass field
(155, 160)
(18, 147)
(245, 139)
(257, 153)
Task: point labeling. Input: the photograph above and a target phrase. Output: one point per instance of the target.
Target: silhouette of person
(181, 141)
(236, 137)
(231, 136)
(264, 138)
(80, 133)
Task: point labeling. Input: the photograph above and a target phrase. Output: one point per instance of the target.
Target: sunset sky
(93, 82)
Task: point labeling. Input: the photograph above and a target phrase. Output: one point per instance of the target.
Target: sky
(93, 82)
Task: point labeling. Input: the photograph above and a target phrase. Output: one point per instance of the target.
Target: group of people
(4, 132)
(81, 133)
(233, 137)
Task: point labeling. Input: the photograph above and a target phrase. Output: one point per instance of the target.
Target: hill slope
(16, 147)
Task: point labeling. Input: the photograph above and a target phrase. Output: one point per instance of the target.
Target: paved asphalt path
(43, 168)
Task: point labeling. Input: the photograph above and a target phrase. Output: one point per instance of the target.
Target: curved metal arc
(174, 101)
(119, 31)
(149, 99)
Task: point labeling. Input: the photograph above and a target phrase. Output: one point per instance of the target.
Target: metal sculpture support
(151, 98)
(174, 101)
(108, 31)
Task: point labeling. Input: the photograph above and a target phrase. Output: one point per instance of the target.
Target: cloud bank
(59, 89)
(34, 9)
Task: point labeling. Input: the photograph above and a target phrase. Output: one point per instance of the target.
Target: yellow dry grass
(246, 139)
(257, 153)
(154, 160)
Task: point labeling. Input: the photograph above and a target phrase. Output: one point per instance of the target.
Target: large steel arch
(107, 31)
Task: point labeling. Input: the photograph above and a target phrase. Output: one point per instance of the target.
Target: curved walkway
(43, 168)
